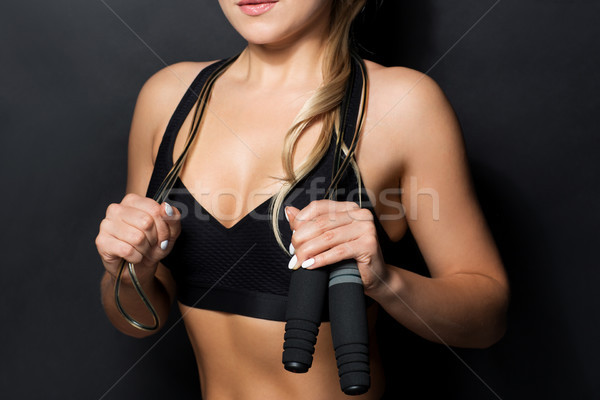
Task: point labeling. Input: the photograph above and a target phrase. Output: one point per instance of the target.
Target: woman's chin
(264, 37)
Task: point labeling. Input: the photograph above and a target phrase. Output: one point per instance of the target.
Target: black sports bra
(242, 269)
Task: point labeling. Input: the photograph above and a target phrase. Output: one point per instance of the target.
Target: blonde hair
(323, 106)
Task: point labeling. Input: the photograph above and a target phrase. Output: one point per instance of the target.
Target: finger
(166, 228)
(318, 226)
(128, 234)
(326, 241)
(116, 249)
(148, 215)
(318, 207)
(141, 220)
(163, 223)
(324, 222)
(361, 249)
(172, 217)
(162, 213)
(342, 251)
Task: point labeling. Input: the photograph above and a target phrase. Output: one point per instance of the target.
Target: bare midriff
(240, 358)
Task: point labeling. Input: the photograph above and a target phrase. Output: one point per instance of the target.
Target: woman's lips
(256, 8)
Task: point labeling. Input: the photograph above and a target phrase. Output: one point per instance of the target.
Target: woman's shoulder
(171, 82)
(162, 91)
(408, 118)
(404, 88)
(157, 100)
(403, 102)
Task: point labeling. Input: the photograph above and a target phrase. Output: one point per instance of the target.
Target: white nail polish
(164, 244)
(286, 216)
(292, 250)
(168, 209)
(292, 262)
(308, 263)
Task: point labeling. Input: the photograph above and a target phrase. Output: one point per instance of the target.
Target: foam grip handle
(303, 317)
(349, 327)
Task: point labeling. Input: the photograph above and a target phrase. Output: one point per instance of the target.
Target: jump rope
(301, 322)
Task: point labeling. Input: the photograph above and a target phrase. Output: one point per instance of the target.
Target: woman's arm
(418, 137)
(464, 302)
(135, 228)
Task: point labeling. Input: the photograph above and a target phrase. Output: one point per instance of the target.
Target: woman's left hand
(327, 231)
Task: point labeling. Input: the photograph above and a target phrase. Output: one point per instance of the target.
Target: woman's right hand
(139, 230)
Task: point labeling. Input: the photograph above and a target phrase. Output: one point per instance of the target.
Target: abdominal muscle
(240, 358)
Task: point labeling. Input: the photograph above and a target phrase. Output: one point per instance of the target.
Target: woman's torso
(240, 356)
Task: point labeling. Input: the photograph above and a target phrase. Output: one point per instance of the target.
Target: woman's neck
(292, 63)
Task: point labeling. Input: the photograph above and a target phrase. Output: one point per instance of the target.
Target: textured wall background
(524, 81)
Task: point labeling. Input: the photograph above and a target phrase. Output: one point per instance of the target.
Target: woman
(412, 165)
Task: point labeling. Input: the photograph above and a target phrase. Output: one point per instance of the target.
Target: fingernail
(164, 244)
(308, 263)
(292, 262)
(168, 209)
(292, 250)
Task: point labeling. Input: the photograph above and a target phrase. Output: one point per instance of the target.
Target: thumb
(290, 214)
(172, 216)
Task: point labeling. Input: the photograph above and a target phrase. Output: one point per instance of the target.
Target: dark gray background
(524, 82)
